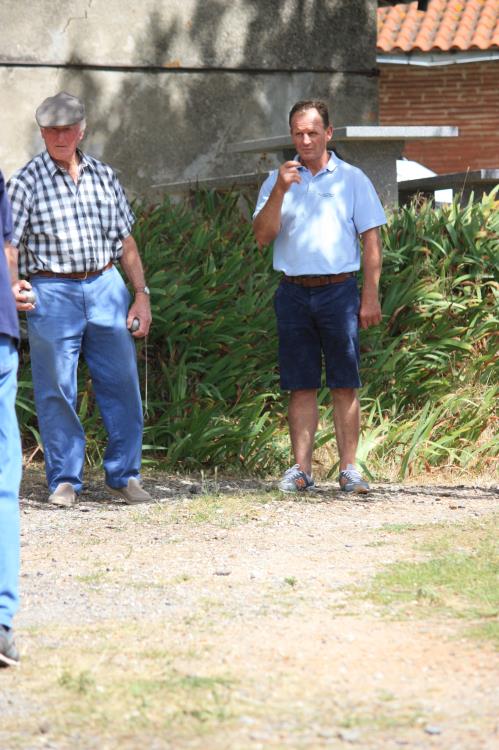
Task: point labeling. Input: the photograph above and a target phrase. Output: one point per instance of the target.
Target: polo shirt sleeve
(264, 193)
(368, 211)
(5, 212)
(20, 201)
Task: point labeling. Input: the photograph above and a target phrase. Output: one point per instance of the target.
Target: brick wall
(466, 95)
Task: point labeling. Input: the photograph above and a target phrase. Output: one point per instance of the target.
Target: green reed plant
(430, 371)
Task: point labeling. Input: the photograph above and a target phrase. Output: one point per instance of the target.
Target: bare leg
(303, 417)
(346, 423)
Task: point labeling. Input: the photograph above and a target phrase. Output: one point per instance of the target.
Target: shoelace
(294, 471)
(352, 474)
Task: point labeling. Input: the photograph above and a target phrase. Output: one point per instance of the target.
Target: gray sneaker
(350, 480)
(9, 655)
(132, 493)
(64, 495)
(296, 480)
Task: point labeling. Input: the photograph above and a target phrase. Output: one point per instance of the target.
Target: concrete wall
(168, 84)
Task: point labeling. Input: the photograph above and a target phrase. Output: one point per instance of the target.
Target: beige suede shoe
(64, 495)
(9, 655)
(133, 492)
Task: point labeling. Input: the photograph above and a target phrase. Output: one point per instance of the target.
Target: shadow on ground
(166, 487)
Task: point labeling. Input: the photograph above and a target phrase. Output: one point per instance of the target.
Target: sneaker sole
(356, 491)
(297, 489)
(126, 500)
(62, 503)
(6, 661)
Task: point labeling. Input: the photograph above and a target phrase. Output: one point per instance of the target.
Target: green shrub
(430, 370)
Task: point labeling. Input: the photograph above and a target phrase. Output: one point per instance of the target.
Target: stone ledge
(352, 133)
(456, 180)
(225, 182)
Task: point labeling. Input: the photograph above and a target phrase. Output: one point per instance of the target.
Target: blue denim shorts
(316, 322)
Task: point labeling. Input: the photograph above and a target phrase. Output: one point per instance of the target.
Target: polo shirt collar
(330, 166)
(333, 162)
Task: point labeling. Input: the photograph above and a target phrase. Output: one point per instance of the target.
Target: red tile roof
(457, 25)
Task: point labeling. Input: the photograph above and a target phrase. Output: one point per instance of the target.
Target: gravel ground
(235, 581)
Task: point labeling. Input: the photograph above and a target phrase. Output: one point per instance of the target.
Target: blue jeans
(88, 316)
(10, 477)
(316, 322)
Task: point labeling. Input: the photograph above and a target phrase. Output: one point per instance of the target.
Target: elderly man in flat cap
(71, 225)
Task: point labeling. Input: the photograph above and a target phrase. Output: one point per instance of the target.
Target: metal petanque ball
(28, 296)
(135, 325)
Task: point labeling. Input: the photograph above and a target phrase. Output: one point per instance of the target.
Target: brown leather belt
(82, 275)
(311, 281)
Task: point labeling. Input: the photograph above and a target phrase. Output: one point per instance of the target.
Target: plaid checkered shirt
(62, 226)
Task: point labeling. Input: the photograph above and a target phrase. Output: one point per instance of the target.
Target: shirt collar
(53, 168)
(333, 162)
(330, 166)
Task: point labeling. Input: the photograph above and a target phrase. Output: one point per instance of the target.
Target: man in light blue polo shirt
(314, 209)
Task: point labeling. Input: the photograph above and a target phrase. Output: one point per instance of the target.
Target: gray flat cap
(61, 109)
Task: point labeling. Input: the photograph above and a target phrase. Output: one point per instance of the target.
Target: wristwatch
(144, 289)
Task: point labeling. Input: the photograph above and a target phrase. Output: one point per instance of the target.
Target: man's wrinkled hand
(140, 309)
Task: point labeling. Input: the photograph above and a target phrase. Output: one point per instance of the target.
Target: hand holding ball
(135, 325)
(28, 296)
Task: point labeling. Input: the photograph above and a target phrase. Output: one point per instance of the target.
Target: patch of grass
(386, 696)
(83, 682)
(158, 654)
(341, 608)
(460, 578)
(92, 578)
(399, 528)
(382, 720)
(224, 511)
(111, 681)
(182, 578)
(148, 585)
(461, 537)
(291, 581)
(465, 584)
(203, 698)
(488, 631)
